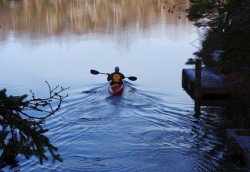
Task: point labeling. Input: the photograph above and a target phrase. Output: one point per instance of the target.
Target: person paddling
(116, 78)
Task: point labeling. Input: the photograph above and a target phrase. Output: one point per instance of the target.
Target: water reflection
(35, 18)
(151, 127)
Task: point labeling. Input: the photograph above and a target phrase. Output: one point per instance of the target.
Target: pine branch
(15, 114)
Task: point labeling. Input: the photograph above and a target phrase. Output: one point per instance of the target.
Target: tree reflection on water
(82, 17)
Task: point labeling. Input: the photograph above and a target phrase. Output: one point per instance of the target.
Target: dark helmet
(116, 69)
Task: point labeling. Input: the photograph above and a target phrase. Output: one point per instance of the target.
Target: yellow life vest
(116, 78)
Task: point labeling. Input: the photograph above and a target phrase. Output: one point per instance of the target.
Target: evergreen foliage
(228, 28)
(28, 137)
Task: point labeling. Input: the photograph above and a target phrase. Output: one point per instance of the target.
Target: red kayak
(116, 89)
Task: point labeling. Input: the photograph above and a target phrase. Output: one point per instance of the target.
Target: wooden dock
(239, 145)
(207, 87)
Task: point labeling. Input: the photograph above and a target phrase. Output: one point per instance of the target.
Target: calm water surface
(152, 126)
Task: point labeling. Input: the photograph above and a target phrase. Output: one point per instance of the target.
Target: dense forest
(226, 42)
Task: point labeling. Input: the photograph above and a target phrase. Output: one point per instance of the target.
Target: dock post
(197, 85)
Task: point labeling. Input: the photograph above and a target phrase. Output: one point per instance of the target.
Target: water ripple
(137, 131)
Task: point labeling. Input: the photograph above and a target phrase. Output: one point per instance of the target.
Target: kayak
(116, 89)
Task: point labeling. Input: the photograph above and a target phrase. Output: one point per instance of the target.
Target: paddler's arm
(109, 77)
(122, 76)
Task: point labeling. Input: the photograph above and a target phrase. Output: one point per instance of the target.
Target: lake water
(151, 126)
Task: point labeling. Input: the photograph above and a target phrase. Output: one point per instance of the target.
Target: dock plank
(209, 78)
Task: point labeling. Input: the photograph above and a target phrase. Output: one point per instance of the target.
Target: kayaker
(116, 78)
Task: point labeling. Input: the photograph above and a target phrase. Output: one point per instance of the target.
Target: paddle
(94, 72)
(132, 78)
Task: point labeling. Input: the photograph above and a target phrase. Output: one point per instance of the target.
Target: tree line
(227, 25)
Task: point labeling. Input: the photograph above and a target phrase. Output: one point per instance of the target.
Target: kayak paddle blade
(132, 78)
(94, 72)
